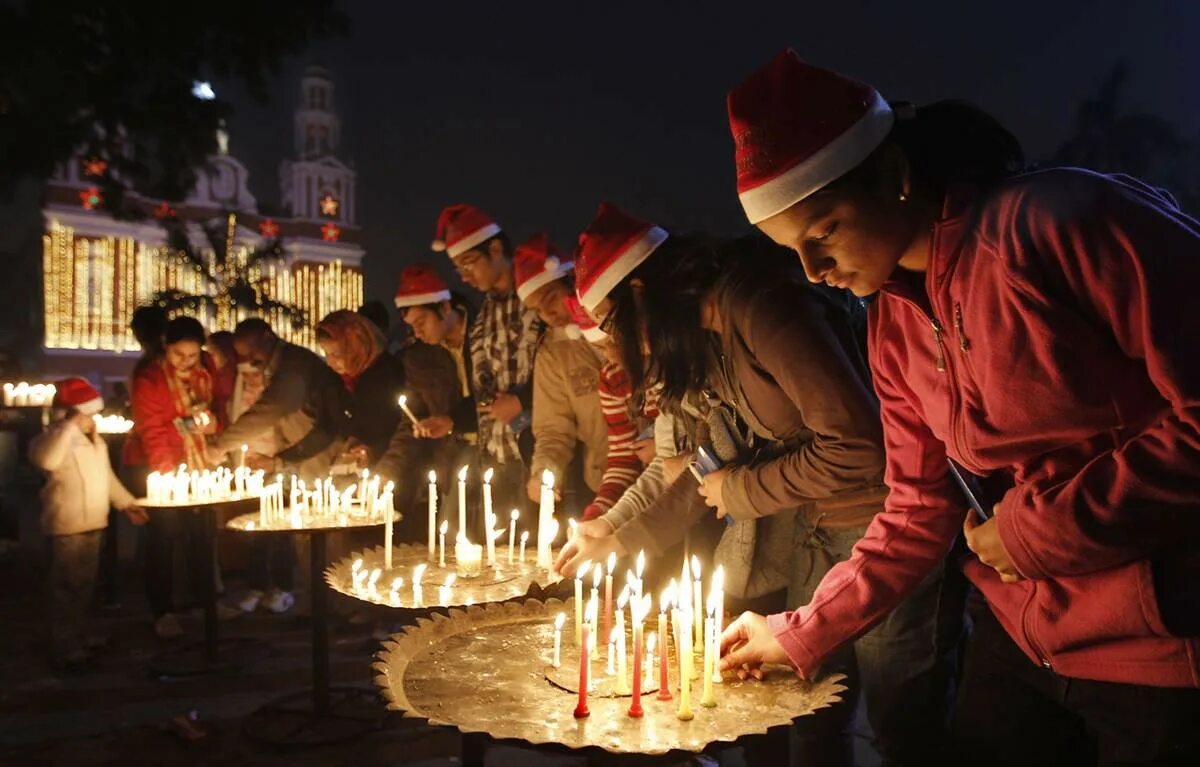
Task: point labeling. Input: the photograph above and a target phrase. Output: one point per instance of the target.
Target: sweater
(80, 483)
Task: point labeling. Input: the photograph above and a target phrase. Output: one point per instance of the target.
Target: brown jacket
(787, 361)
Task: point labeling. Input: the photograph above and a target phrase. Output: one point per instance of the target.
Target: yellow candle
(685, 668)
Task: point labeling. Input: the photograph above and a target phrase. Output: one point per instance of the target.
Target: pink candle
(581, 708)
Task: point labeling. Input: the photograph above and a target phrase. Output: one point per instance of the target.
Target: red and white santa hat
(536, 263)
(420, 285)
(796, 128)
(583, 323)
(77, 393)
(609, 249)
(462, 227)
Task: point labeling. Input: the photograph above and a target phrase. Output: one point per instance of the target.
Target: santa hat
(462, 227)
(583, 323)
(796, 128)
(77, 393)
(420, 285)
(536, 263)
(609, 249)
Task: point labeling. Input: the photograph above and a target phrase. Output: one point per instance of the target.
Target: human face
(852, 240)
(481, 269)
(257, 352)
(335, 356)
(550, 303)
(183, 355)
(428, 325)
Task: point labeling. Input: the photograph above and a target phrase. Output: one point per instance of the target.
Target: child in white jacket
(80, 488)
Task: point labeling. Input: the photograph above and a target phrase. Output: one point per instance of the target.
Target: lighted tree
(234, 276)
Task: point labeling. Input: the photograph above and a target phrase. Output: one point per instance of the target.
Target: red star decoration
(91, 198)
(94, 166)
(165, 211)
(330, 232)
(329, 205)
(268, 228)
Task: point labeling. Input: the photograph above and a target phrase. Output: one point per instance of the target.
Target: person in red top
(173, 409)
(1037, 329)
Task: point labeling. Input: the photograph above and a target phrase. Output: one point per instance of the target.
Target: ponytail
(953, 141)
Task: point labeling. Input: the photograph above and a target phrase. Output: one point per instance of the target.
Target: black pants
(1012, 711)
(164, 528)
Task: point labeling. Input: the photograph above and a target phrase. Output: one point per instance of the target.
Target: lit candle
(403, 402)
(611, 655)
(685, 592)
(619, 636)
(442, 543)
(512, 535)
(433, 499)
(417, 573)
(685, 665)
(462, 499)
(597, 573)
(444, 590)
(579, 602)
(581, 708)
(488, 518)
(638, 612)
(545, 517)
(639, 568)
(608, 599)
(385, 504)
(524, 538)
(697, 602)
(242, 457)
(706, 697)
(651, 642)
(717, 593)
(468, 557)
(394, 594)
(559, 620)
(664, 686)
(374, 579)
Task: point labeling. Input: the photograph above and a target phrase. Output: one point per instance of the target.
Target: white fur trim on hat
(91, 407)
(621, 267)
(420, 299)
(531, 285)
(826, 165)
(595, 335)
(471, 240)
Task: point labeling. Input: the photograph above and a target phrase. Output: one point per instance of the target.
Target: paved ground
(120, 715)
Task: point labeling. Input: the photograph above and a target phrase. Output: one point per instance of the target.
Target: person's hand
(674, 466)
(644, 449)
(747, 643)
(533, 488)
(711, 488)
(983, 538)
(135, 514)
(593, 540)
(81, 421)
(505, 408)
(213, 457)
(206, 421)
(433, 427)
(356, 455)
(260, 462)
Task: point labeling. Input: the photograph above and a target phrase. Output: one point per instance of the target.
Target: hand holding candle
(403, 402)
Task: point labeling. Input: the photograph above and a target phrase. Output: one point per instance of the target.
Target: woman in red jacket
(1035, 329)
(173, 409)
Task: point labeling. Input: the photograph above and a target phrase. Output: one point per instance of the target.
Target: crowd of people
(937, 415)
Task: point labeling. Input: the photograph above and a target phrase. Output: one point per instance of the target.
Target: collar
(945, 245)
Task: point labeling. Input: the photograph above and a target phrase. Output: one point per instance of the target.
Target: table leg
(320, 624)
(211, 637)
(474, 749)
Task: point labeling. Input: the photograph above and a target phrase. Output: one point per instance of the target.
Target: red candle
(581, 708)
(635, 707)
(664, 685)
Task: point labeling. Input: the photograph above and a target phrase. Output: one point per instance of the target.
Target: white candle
(374, 579)
(489, 522)
(579, 601)
(512, 535)
(697, 602)
(717, 594)
(611, 669)
(468, 557)
(403, 402)
(417, 574)
(462, 499)
(524, 538)
(444, 590)
(707, 699)
(556, 661)
(394, 594)
(651, 640)
(545, 517)
(433, 499)
(242, 457)
(442, 544)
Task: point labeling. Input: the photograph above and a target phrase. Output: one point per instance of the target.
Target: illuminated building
(97, 270)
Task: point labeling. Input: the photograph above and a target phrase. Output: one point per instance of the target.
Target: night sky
(536, 111)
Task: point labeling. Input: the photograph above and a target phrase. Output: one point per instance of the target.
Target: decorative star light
(91, 198)
(330, 232)
(94, 166)
(329, 205)
(268, 228)
(164, 211)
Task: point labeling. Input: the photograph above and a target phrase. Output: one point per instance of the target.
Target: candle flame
(559, 621)
(687, 571)
(548, 479)
(712, 604)
(596, 574)
(442, 528)
(672, 591)
(623, 599)
(402, 401)
(375, 576)
(245, 448)
(432, 477)
(417, 573)
(641, 564)
(397, 583)
(696, 567)
(514, 514)
(583, 569)
(462, 474)
(612, 562)
(524, 535)
(718, 579)
(487, 476)
(356, 566)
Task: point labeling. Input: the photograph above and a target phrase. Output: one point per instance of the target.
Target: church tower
(316, 185)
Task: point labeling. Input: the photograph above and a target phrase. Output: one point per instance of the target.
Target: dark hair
(506, 245)
(251, 327)
(945, 142)
(183, 329)
(376, 312)
(222, 342)
(676, 279)
(148, 324)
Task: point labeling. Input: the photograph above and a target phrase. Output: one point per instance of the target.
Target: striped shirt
(623, 466)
